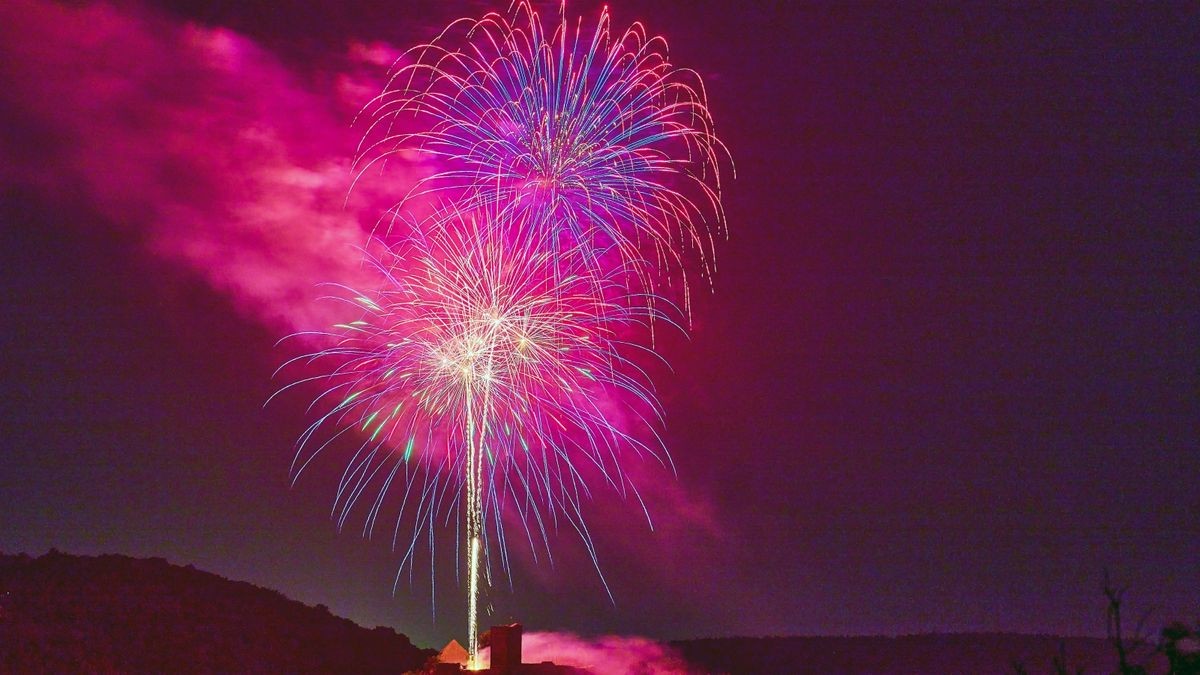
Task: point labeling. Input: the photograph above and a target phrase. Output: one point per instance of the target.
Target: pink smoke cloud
(604, 655)
(217, 155)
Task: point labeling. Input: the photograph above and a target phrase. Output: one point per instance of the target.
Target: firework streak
(578, 174)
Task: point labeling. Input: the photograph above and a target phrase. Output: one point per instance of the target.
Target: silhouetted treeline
(107, 614)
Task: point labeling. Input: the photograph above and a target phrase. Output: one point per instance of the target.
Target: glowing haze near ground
(948, 376)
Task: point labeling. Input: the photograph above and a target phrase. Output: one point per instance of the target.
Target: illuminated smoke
(205, 146)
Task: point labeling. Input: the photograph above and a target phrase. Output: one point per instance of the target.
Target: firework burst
(493, 373)
(595, 135)
(486, 368)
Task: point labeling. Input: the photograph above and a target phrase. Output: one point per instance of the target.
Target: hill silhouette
(113, 613)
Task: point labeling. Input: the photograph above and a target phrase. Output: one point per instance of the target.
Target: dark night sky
(949, 373)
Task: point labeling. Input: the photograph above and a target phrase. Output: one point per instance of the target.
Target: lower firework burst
(485, 373)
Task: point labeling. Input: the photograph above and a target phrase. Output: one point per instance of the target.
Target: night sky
(949, 372)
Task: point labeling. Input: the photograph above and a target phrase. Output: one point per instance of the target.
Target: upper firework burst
(595, 135)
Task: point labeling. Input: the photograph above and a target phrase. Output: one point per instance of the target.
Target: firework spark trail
(480, 349)
(599, 137)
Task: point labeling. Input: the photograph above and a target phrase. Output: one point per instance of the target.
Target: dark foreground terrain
(62, 613)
